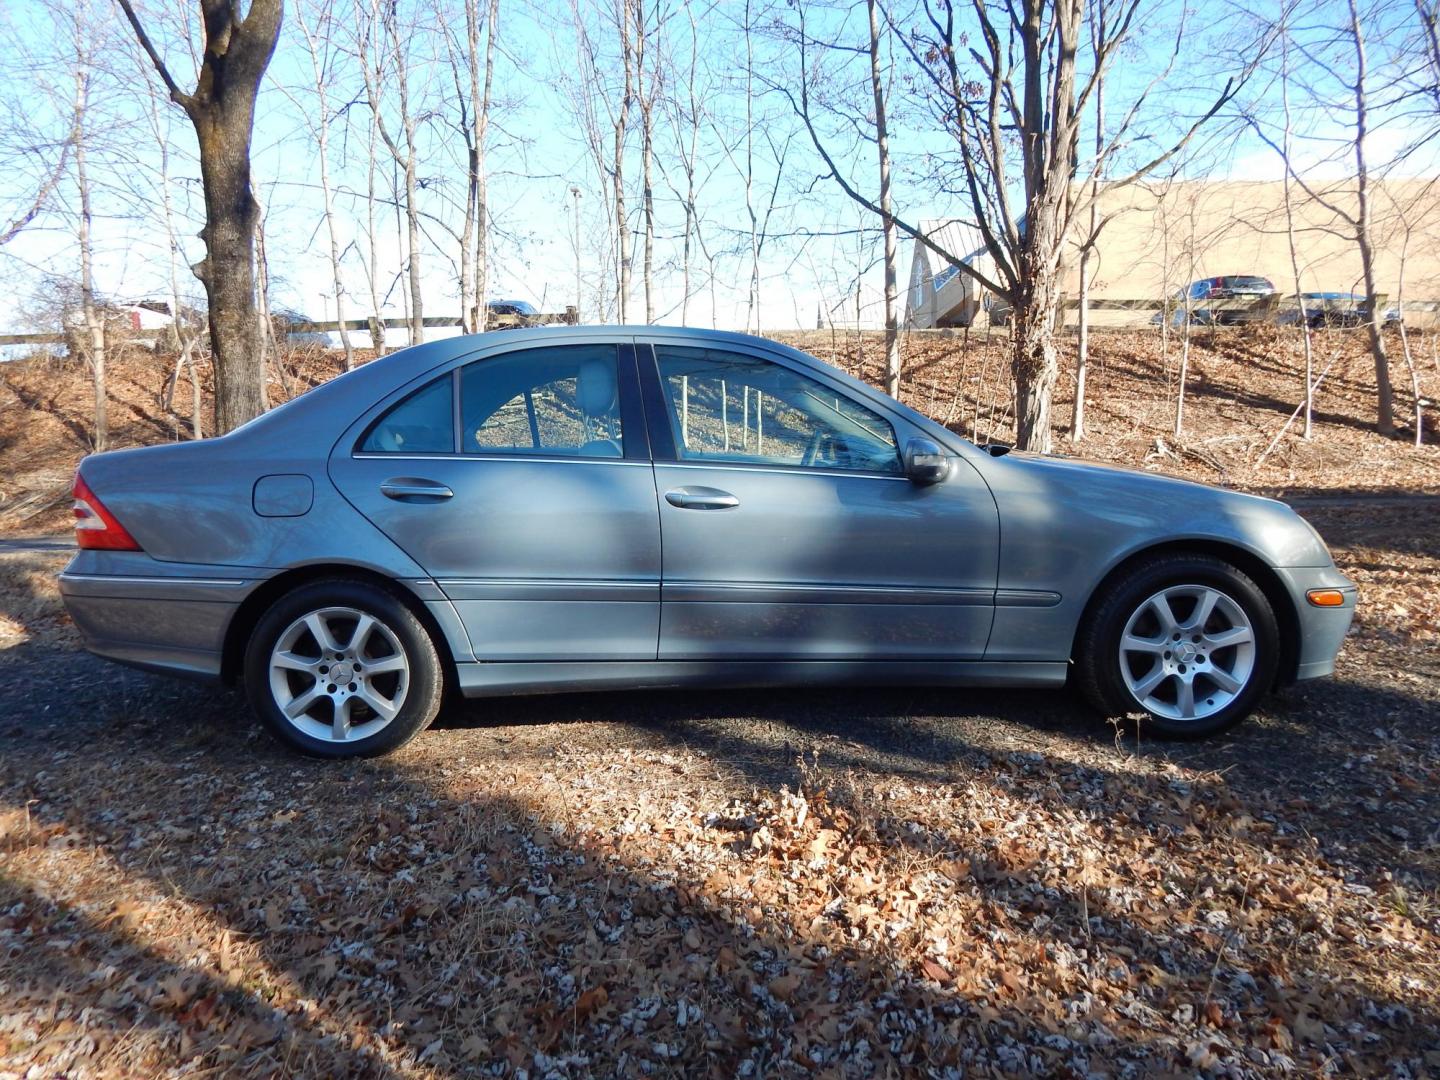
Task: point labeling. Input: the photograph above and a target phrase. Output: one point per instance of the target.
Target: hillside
(1242, 386)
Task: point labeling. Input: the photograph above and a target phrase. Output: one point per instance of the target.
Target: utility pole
(575, 196)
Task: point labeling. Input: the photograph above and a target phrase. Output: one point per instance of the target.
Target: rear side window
(423, 423)
(563, 400)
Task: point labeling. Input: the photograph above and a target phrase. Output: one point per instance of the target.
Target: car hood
(1063, 464)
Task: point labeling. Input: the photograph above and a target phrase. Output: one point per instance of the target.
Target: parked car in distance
(586, 508)
(513, 309)
(1339, 309)
(1221, 301)
(291, 331)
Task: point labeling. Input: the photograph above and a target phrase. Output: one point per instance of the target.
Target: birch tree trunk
(403, 159)
(1304, 315)
(321, 127)
(622, 117)
(89, 310)
(887, 217)
(377, 314)
(1087, 251)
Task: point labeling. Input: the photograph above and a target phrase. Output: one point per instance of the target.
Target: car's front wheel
(1189, 640)
(342, 669)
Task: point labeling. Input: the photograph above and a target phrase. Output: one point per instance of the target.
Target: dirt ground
(893, 882)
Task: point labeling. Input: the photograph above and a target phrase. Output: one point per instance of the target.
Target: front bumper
(1322, 629)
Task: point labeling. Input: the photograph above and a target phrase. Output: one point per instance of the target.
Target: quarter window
(727, 407)
(423, 423)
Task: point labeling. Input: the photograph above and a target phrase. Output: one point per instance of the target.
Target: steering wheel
(825, 443)
(812, 448)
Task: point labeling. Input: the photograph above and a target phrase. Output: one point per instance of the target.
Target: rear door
(522, 483)
(789, 531)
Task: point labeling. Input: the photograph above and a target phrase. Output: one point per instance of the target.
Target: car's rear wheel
(1188, 640)
(341, 669)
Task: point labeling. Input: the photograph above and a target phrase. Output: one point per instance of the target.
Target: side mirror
(925, 463)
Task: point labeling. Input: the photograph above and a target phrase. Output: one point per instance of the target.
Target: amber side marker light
(1326, 597)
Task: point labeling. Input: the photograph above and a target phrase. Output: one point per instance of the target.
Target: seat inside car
(597, 394)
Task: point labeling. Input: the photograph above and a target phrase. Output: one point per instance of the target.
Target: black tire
(402, 633)
(1097, 655)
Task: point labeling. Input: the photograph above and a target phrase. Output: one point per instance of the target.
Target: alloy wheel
(339, 674)
(1187, 652)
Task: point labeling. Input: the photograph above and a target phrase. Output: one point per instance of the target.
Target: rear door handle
(701, 498)
(411, 488)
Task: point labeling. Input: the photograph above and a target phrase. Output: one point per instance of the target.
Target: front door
(789, 530)
(521, 482)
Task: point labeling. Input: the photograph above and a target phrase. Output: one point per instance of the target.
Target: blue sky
(821, 244)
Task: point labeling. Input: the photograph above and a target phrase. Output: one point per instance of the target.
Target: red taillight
(96, 527)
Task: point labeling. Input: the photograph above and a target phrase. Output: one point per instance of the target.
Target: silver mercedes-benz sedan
(619, 507)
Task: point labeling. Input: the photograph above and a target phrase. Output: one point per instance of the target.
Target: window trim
(664, 442)
(633, 415)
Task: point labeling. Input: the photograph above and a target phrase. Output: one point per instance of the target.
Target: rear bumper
(174, 625)
(1322, 629)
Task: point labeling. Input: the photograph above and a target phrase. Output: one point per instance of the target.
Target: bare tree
(384, 53)
(1429, 14)
(222, 109)
(686, 115)
(1090, 242)
(44, 190)
(473, 94)
(1001, 81)
(593, 111)
(1286, 138)
(35, 145)
(625, 17)
(887, 215)
(90, 311)
(648, 89)
(318, 43)
(1364, 232)
(185, 331)
(1352, 210)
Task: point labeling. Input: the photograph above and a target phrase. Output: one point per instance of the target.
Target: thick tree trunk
(1034, 364)
(228, 269)
(222, 109)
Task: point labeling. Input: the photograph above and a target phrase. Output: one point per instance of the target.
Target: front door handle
(411, 488)
(701, 498)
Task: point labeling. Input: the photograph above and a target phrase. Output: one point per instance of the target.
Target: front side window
(422, 423)
(730, 408)
(563, 400)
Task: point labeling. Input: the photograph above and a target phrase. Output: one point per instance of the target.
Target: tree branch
(178, 96)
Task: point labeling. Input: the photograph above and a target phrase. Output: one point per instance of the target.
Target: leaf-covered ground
(899, 882)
